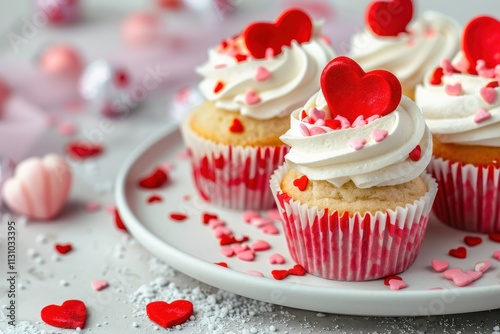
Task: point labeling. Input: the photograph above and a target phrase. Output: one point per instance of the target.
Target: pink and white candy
(61, 59)
(60, 11)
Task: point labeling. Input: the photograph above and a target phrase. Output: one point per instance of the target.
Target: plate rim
(222, 278)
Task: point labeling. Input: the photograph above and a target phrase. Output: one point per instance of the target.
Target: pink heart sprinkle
(255, 273)
(344, 122)
(379, 135)
(314, 131)
(227, 251)
(359, 121)
(372, 118)
(274, 214)
(304, 130)
(251, 98)
(269, 53)
(430, 33)
(247, 255)
(238, 248)
(249, 215)
(395, 284)
(482, 266)
(221, 230)
(261, 221)
(260, 245)
(92, 206)
(276, 259)
(461, 278)
(99, 284)
(270, 229)
(66, 129)
(307, 120)
(448, 68)
(496, 255)
(482, 115)
(453, 90)
(488, 94)
(262, 74)
(316, 114)
(450, 273)
(215, 223)
(320, 122)
(440, 266)
(357, 144)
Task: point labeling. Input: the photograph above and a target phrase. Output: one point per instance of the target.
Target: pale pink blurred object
(141, 28)
(60, 11)
(39, 188)
(62, 60)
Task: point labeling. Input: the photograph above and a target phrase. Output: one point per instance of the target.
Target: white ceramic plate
(191, 247)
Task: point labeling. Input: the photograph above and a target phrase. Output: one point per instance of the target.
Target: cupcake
(462, 109)
(408, 49)
(251, 83)
(353, 194)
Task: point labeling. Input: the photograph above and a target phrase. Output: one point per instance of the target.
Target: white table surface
(103, 251)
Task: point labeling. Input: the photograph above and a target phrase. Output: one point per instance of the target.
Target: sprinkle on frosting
(218, 87)
(482, 115)
(357, 144)
(252, 98)
(453, 90)
(488, 94)
(379, 135)
(262, 74)
(416, 153)
(301, 182)
(236, 126)
(437, 75)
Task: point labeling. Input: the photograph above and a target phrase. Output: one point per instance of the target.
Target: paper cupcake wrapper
(357, 248)
(468, 198)
(233, 177)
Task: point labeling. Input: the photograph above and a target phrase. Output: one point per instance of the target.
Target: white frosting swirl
(451, 118)
(295, 74)
(431, 38)
(330, 157)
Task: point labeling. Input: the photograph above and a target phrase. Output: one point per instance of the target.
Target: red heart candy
(118, 221)
(437, 76)
(231, 239)
(472, 241)
(279, 274)
(236, 127)
(350, 92)
(169, 315)
(178, 216)
(155, 180)
(83, 150)
(389, 18)
(205, 218)
(301, 182)
(63, 248)
(71, 314)
(297, 270)
(222, 264)
(494, 237)
(459, 252)
(292, 24)
(481, 41)
(154, 199)
(416, 153)
(388, 279)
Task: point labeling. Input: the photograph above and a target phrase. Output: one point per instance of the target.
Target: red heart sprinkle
(222, 264)
(63, 248)
(83, 150)
(333, 124)
(205, 218)
(297, 270)
(416, 153)
(178, 216)
(301, 182)
(71, 314)
(279, 274)
(236, 127)
(156, 180)
(293, 24)
(154, 199)
(118, 221)
(459, 252)
(239, 58)
(472, 241)
(437, 76)
(481, 41)
(493, 84)
(218, 87)
(350, 92)
(121, 79)
(389, 278)
(231, 239)
(303, 114)
(169, 315)
(494, 237)
(389, 18)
